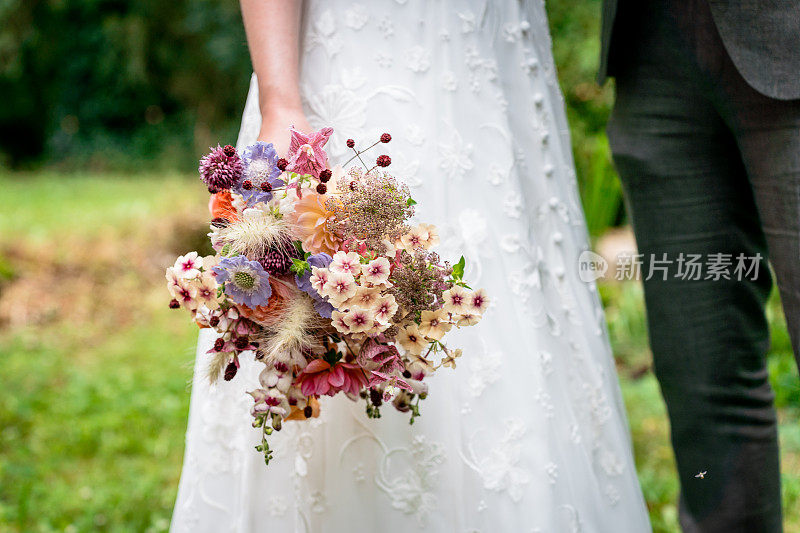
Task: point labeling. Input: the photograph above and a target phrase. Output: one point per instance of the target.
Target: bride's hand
(275, 124)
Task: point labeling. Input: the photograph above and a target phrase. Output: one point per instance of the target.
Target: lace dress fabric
(529, 433)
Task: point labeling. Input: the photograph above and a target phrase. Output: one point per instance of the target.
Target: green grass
(95, 386)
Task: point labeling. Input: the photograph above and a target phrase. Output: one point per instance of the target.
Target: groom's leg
(768, 134)
(688, 192)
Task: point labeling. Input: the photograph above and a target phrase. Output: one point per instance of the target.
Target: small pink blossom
(385, 309)
(337, 319)
(207, 290)
(456, 300)
(346, 263)
(188, 266)
(319, 277)
(478, 302)
(186, 293)
(359, 320)
(339, 288)
(376, 271)
(270, 401)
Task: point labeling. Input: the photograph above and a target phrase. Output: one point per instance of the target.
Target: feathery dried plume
(219, 360)
(293, 335)
(255, 233)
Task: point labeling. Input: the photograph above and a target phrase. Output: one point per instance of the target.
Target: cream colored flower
(478, 302)
(339, 288)
(467, 319)
(210, 261)
(450, 358)
(319, 277)
(365, 298)
(419, 366)
(456, 300)
(414, 238)
(206, 287)
(337, 319)
(173, 281)
(389, 249)
(346, 263)
(435, 324)
(385, 308)
(412, 340)
(359, 320)
(376, 271)
(430, 234)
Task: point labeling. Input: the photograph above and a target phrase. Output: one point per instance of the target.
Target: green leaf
(458, 268)
(411, 202)
(225, 250)
(299, 266)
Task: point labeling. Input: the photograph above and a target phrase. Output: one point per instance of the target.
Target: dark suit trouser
(711, 166)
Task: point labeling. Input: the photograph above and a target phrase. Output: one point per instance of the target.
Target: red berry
(383, 161)
(350, 143)
(241, 343)
(229, 150)
(325, 175)
(282, 163)
(230, 371)
(173, 304)
(322, 188)
(266, 187)
(213, 321)
(247, 185)
(385, 138)
(308, 411)
(219, 344)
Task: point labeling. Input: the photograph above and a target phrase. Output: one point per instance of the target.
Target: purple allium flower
(246, 282)
(321, 305)
(220, 171)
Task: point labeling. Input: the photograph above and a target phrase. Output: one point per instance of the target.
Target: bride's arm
(273, 28)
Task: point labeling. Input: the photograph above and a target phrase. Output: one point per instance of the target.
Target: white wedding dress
(528, 434)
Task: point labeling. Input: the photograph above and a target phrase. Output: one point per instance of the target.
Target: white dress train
(528, 434)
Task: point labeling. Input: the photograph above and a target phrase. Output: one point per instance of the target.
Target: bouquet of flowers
(320, 275)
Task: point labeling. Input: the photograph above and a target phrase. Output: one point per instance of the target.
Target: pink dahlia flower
(319, 378)
(306, 155)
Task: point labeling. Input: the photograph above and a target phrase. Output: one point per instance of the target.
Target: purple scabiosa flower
(220, 171)
(321, 305)
(260, 168)
(261, 162)
(246, 282)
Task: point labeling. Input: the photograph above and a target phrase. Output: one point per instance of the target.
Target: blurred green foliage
(97, 82)
(575, 28)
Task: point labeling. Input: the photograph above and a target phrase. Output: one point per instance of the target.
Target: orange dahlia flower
(221, 206)
(312, 221)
